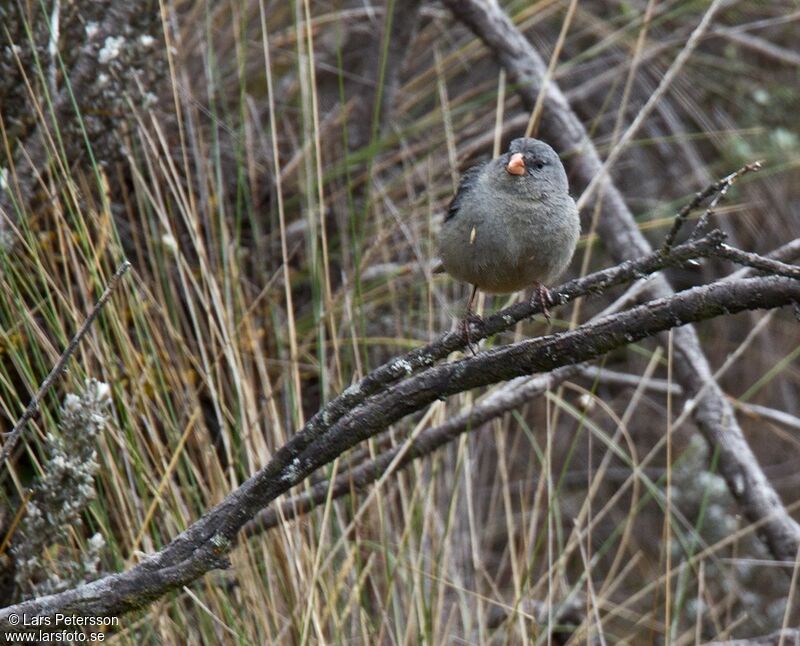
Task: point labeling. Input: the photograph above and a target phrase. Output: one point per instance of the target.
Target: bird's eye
(539, 164)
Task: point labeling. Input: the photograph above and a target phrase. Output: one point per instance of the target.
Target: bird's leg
(470, 314)
(469, 317)
(542, 296)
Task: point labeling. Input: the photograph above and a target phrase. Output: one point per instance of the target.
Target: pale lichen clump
(111, 49)
(401, 367)
(47, 557)
(291, 472)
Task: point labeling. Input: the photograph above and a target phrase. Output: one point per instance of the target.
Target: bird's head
(532, 166)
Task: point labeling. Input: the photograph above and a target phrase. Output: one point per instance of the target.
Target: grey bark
(713, 415)
(203, 547)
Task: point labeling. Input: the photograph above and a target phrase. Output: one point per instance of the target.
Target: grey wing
(468, 180)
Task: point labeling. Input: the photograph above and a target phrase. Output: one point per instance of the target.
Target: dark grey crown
(530, 147)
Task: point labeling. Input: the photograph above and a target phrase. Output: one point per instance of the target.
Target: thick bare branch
(421, 358)
(560, 125)
(497, 404)
(513, 395)
(205, 544)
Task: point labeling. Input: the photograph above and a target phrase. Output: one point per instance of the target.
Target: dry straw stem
(431, 439)
(366, 408)
(713, 414)
(788, 636)
(204, 545)
(33, 406)
(666, 80)
(496, 404)
(398, 457)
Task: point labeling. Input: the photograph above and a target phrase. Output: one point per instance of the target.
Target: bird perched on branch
(512, 223)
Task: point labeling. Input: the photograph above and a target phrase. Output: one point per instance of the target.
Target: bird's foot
(469, 318)
(541, 296)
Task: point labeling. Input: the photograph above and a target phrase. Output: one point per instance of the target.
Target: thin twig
(33, 406)
(420, 358)
(757, 261)
(759, 45)
(203, 546)
(785, 253)
(720, 188)
(536, 114)
(703, 221)
(618, 229)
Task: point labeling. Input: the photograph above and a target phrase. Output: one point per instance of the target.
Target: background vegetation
(276, 173)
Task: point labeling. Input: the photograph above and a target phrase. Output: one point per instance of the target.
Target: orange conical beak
(516, 165)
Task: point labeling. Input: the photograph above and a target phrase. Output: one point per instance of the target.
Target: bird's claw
(541, 296)
(469, 318)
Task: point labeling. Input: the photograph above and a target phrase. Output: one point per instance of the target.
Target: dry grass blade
(33, 407)
(298, 449)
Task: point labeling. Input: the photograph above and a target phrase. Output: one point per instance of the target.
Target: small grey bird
(512, 223)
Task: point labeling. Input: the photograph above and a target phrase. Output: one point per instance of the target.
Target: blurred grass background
(276, 173)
